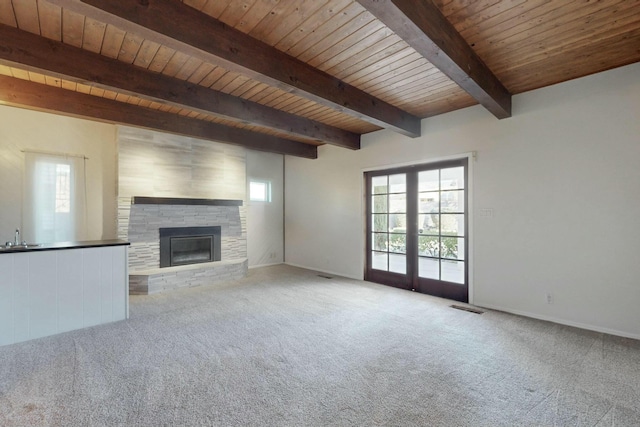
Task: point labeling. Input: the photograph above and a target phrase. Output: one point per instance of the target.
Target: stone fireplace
(169, 182)
(203, 253)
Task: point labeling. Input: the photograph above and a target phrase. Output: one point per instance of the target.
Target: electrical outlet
(549, 298)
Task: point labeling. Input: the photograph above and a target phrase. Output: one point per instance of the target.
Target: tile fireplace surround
(148, 215)
(188, 172)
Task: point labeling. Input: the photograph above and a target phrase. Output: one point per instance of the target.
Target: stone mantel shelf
(140, 200)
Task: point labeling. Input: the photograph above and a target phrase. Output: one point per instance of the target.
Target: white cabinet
(47, 292)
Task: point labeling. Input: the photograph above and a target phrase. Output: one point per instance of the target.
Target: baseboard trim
(334, 273)
(265, 265)
(565, 322)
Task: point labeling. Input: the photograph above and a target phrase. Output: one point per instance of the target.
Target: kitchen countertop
(66, 245)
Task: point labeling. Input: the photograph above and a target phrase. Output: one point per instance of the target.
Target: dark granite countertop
(65, 245)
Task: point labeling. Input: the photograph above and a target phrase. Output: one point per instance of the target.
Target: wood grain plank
(146, 53)
(356, 22)
(50, 17)
(7, 15)
(130, 46)
(113, 40)
(37, 77)
(310, 26)
(528, 23)
(382, 66)
(362, 39)
(196, 4)
(213, 76)
(270, 21)
(255, 15)
(215, 8)
(368, 57)
(5, 70)
(404, 74)
(93, 35)
(234, 84)
(292, 23)
(604, 54)
(233, 13)
(223, 81)
(175, 64)
(200, 73)
(161, 59)
(52, 81)
(19, 73)
(254, 91)
(26, 15)
(68, 85)
(465, 17)
(581, 29)
(72, 28)
(189, 68)
(244, 88)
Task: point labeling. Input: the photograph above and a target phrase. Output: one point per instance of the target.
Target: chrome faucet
(17, 240)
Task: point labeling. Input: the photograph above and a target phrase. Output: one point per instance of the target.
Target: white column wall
(562, 178)
(265, 238)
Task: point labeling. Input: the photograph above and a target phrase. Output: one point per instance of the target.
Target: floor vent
(325, 277)
(469, 309)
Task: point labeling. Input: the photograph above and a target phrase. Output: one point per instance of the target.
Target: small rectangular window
(259, 191)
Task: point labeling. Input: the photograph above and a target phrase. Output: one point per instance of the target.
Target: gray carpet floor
(285, 347)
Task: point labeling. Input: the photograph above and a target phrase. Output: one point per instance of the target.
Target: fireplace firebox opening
(189, 245)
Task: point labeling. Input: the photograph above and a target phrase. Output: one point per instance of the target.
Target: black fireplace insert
(189, 245)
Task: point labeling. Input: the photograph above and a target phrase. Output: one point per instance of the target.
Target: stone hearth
(144, 222)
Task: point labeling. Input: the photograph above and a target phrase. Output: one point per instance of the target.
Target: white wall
(265, 241)
(562, 177)
(31, 130)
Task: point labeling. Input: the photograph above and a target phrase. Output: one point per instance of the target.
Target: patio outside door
(417, 228)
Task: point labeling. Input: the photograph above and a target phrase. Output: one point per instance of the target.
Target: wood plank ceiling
(287, 76)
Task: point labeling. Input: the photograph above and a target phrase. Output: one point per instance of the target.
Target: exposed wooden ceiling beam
(181, 27)
(36, 53)
(427, 30)
(22, 93)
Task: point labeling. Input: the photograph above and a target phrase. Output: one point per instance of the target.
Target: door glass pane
(379, 241)
(398, 223)
(379, 204)
(429, 180)
(452, 178)
(379, 184)
(452, 247)
(398, 263)
(429, 224)
(429, 268)
(398, 202)
(379, 261)
(429, 202)
(429, 246)
(452, 201)
(398, 243)
(452, 271)
(452, 224)
(398, 183)
(379, 222)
